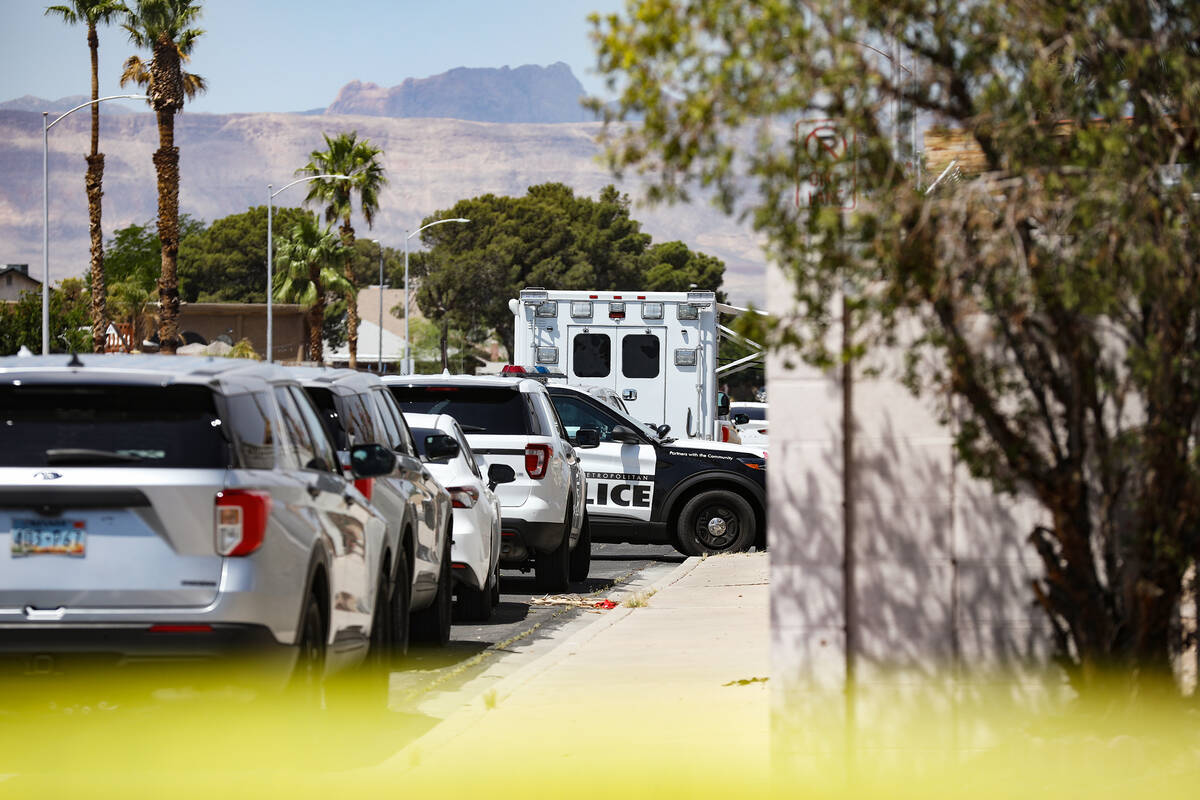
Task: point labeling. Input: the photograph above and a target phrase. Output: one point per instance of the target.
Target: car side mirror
(500, 473)
(741, 419)
(371, 461)
(722, 404)
(440, 447)
(586, 437)
(662, 430)
(625, 435)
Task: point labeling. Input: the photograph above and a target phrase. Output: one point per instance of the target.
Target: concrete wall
(942, 568)
(249, 321)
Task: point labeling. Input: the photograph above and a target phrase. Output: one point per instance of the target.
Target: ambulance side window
(576, 414)
(640, 355)
(591, 355)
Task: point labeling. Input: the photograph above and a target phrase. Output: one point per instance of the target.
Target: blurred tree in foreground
(1056, 294)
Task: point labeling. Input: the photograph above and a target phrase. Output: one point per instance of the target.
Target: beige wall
(14, 283)
(249, 321)
(942, 568)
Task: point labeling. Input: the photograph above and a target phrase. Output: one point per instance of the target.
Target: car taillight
(463, 496)
(724, 433)
(537, 459)
(241, 521)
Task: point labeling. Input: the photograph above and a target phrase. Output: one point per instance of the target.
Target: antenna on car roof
(74, 362)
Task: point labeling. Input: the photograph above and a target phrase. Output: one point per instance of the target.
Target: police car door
(620, 476)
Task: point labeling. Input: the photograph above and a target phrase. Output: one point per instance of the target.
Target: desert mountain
(526, 94)
(39, 104)
(227, 160)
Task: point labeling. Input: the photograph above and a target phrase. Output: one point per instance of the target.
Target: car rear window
(328, 412)
(753, 412)
(478, 409)
(44, 425)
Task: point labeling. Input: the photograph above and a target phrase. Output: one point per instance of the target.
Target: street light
(271, 258)
(379, 363)
(46, 206)
(407, 349)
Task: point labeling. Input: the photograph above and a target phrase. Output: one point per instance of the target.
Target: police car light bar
(535, 373)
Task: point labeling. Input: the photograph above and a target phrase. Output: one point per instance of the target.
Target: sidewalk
(673, 691)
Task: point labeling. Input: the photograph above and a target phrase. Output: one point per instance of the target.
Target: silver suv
(512, 421)
(356, 407)
(165, 508)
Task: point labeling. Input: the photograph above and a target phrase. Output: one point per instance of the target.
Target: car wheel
(400, 606)
(474, 604)
(716, 521)
(432, 625)
(581, 556)
(552, 571)
(307, 684)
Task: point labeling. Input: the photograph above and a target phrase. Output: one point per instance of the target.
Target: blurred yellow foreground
(628, 737)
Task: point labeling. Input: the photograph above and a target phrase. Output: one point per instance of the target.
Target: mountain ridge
(227, 160)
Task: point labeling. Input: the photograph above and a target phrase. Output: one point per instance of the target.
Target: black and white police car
(700, 496)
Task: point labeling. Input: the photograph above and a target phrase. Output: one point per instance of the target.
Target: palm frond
(135, 71)
(193, 85)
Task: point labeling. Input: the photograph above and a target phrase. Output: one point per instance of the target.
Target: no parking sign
(829, 174)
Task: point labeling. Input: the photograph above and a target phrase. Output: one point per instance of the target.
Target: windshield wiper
(471, 428)
(81, 456)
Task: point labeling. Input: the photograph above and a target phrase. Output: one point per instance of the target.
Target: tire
(495, 588)
(552, 571)
(307, 684)
(432, 625)
(400, 606)
(474, 604)
(581, 556)
(715, 521)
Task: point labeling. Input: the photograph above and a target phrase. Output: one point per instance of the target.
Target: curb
(475, 708)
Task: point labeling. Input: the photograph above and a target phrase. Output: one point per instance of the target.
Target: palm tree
(345, 155)
(93, 13)
(162, 27)
(308, 259)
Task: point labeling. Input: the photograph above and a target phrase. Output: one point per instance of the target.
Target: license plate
(38, 537)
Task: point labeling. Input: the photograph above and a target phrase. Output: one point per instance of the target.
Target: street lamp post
(46, 205)
(379, 362)
(271, 257)
(407, 236)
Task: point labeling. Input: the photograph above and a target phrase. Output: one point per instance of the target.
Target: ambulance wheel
(581, 556)
(716, 521)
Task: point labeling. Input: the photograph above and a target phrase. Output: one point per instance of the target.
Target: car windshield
(478, 409)
(44, 425)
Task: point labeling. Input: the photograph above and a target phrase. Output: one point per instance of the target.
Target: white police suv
(700, 496)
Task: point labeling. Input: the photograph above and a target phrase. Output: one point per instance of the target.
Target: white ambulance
(657, 350)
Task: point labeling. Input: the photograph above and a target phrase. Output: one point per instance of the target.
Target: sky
(294, 55)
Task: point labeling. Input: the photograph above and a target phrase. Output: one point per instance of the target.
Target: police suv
(643, 487)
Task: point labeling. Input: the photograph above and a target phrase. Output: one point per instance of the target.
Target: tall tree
(164, 28)
(552, 237)
(1056, 294)
(344, 154)
(93, 13)
(307, 260)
